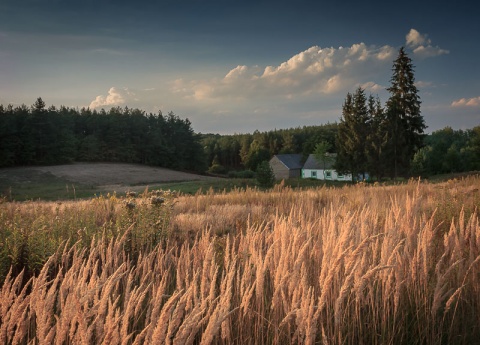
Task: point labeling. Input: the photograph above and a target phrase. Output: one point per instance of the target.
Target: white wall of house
(328, 174)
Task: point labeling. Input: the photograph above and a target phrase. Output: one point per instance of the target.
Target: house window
(328, 174)
(314, 174)
(340, 176)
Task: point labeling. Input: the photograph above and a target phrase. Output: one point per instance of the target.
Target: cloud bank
(312, 72)
(307, 84)
(467, 102)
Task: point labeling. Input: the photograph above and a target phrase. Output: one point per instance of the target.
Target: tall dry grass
(357, 265)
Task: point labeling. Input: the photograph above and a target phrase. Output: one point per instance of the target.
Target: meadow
(358, 264)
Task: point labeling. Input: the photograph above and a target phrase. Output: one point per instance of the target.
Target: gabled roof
(313, 164)
(291, 161)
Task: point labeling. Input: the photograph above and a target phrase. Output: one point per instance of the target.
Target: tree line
(38, 135)
(246, 151)
(389, 141)
(371, 140)
(383, 141)
(448, 151)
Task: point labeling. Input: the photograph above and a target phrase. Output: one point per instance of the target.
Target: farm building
(323, 170)
(285, 166)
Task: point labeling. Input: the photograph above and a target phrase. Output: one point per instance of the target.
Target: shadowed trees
(41, 136)
(382, 141)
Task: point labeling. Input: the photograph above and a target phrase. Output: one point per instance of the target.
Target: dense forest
(36, 135)
(246, 151)
(444, 151)
(39, 136)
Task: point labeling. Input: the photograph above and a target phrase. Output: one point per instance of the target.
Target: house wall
(319, 175)
(295, 173)
(279, 169)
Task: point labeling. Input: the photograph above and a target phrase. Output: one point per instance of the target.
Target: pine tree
(352, 135)
(375, 144)
(405, 122)
(265, 175)
(344, 159)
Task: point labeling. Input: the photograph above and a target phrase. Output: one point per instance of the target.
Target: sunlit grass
(371, 264)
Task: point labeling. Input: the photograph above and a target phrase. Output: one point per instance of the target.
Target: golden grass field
(364, 264)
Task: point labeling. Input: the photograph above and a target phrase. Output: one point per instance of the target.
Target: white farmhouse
(323, 170)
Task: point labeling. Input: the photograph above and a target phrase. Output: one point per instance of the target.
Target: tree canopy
(41, 136)
(377, 140)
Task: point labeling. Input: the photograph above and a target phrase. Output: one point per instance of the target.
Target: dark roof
(312, 162)
(291, 161)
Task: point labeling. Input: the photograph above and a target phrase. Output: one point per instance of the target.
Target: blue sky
(236, 66)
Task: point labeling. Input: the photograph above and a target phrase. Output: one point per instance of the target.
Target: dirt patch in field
(119, 174)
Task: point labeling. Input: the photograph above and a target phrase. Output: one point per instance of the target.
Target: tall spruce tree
(352, 135)
(405, 124)
(375, 144)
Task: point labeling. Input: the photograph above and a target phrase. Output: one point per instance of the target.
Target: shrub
(217, 169)
(265, 176)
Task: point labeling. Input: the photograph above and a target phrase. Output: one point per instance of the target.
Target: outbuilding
(286, 166)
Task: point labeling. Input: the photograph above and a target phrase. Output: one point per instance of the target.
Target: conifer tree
(405, 124)
(344, 147)
(352, 135)
(375, 144)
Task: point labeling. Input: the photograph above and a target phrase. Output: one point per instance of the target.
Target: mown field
(360, 264)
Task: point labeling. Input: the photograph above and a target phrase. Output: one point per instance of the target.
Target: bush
(265, 175)
(217, 169)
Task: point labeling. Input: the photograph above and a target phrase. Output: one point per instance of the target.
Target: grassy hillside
(358, 264)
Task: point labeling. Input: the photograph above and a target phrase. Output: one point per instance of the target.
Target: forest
(36, 135)
(39, 136)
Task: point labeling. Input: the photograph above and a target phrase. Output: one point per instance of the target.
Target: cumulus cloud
(372, 87)
(115, 97)
(311, 72)
(122, 96)
(415, 38)
(467, 102)
(422, 45)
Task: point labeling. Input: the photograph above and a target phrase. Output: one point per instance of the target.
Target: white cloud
(372, 87)
(311, 72)
(115, 97)
(311, 85)
(467, 102)
(415, 39)
(422, 45)
(125, 97)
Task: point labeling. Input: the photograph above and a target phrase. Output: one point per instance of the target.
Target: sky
(233, 66)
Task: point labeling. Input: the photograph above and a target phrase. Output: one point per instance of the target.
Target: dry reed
(356, 265)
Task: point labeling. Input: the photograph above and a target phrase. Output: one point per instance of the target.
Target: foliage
(40, 136)
(448, 151)
(383, 141)
(265, 175)
(247, 150)
(352, 135)
(217, 169)
(405, 124)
